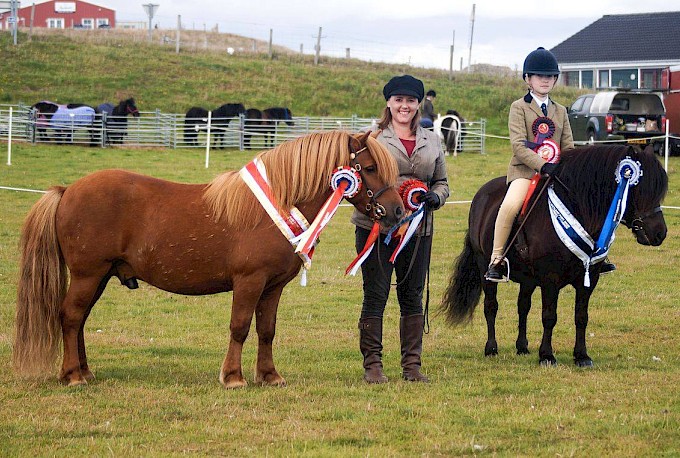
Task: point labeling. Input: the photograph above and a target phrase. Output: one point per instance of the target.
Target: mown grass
(157, 355)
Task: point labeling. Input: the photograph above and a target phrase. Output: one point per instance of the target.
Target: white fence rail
(171, 130)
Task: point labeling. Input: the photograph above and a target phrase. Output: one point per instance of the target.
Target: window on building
(651, 78)
(87, 23)
(625, 78)
(570, 79)
(55, 23)
(604, 78)
(587, 78)
(103, 23)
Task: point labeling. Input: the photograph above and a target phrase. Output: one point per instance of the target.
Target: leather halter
(637, 224)
(375, 209)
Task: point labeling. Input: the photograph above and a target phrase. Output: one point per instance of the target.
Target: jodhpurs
(512, 203)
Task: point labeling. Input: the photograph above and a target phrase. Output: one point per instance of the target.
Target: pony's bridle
(374, 208)
(132, 109)
(637, 223)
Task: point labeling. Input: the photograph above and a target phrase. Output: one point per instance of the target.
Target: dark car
(633, 117)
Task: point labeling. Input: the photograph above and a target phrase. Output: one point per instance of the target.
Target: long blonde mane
(298, 171)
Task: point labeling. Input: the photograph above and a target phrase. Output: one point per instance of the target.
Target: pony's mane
(589, 173)
(297, 170)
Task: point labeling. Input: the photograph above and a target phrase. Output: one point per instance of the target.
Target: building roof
(624, 37)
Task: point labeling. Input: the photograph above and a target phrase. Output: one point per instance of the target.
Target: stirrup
(500, 273)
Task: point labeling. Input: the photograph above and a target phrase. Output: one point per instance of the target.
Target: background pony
(116, 119)
(191, 239)
(196, 120)
(586, 184)
(64, 121)
(270, 119)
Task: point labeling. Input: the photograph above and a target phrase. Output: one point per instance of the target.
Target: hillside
(96, 66)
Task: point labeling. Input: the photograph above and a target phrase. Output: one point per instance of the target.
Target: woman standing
(419, 156)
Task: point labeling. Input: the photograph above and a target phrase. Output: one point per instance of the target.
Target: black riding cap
(404, 85)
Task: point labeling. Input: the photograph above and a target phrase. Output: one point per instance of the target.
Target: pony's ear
(361, 137)
(376, 133)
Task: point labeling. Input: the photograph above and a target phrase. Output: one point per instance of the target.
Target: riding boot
(411, 335)
(370, 344)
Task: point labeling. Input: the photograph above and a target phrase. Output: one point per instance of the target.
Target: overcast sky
(400, 31)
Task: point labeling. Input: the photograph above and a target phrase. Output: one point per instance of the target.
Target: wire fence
(171, 130)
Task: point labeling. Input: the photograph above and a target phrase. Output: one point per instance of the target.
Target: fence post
(9, 138)
(104, 130)
(483, 135)
(207, 141)
(241, 130)
(666, 154)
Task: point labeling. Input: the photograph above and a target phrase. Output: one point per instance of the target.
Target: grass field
(157, 355)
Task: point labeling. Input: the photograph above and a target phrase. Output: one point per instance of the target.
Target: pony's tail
(41, 289)
(464, 289)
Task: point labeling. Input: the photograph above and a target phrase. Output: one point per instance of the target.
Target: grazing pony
(116, 119)
(64, 120)
(191, 239)
(270, 120)
(196, 120)
(586, 184)
(252, 124)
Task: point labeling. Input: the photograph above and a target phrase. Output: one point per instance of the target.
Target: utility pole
(150, 9)
(472, 29)
(317, 48)
(179, 28)
(13, 7)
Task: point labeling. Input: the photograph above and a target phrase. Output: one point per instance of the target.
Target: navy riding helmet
(540, 62)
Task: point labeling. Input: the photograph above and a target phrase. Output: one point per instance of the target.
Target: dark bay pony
(116, 119)
(64, 121)
(191, 239)
(587, 188)
(196, 120)
(252, 125)
(270, 119)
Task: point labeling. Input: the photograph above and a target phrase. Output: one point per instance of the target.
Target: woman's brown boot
(370, 343)
(411, 334)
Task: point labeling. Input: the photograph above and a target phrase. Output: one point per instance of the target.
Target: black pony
(116, 119)
(64, 121)
(197, 117)
(585, 183)
(252, 125)
(453, 131)
(270, 119)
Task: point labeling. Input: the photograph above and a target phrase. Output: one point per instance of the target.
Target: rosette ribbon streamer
(410, 190)
(346, 183)
(572, 233)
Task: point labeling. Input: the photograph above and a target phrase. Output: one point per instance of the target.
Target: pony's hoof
(87, 375)
(548, 362)
(491, 349)
(74, 383)
(234, 384)
(270, 380)
(523, 351)
(584, 363)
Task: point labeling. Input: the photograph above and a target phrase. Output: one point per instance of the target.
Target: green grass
(157, 355)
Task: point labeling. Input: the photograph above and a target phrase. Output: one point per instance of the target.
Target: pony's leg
(490, 312)
(581, 358)
(84, 368)
(549, 296)
(79, 300)
(523, 308)
(247, 294)
(265, 317)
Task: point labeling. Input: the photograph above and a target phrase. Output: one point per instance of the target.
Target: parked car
(632, 116)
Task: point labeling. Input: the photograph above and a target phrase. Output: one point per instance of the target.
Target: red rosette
(549, 151)
(409, 192)
(543, 127)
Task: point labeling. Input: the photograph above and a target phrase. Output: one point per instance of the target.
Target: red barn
(67, 15)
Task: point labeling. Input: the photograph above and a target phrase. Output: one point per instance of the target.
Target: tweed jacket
(426, 164)
(523, 112)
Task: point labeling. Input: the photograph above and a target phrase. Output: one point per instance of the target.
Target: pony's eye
(370, 168)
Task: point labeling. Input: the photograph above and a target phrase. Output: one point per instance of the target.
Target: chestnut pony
(191, 239)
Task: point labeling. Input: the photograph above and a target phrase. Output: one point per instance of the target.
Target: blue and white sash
(572, 233)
